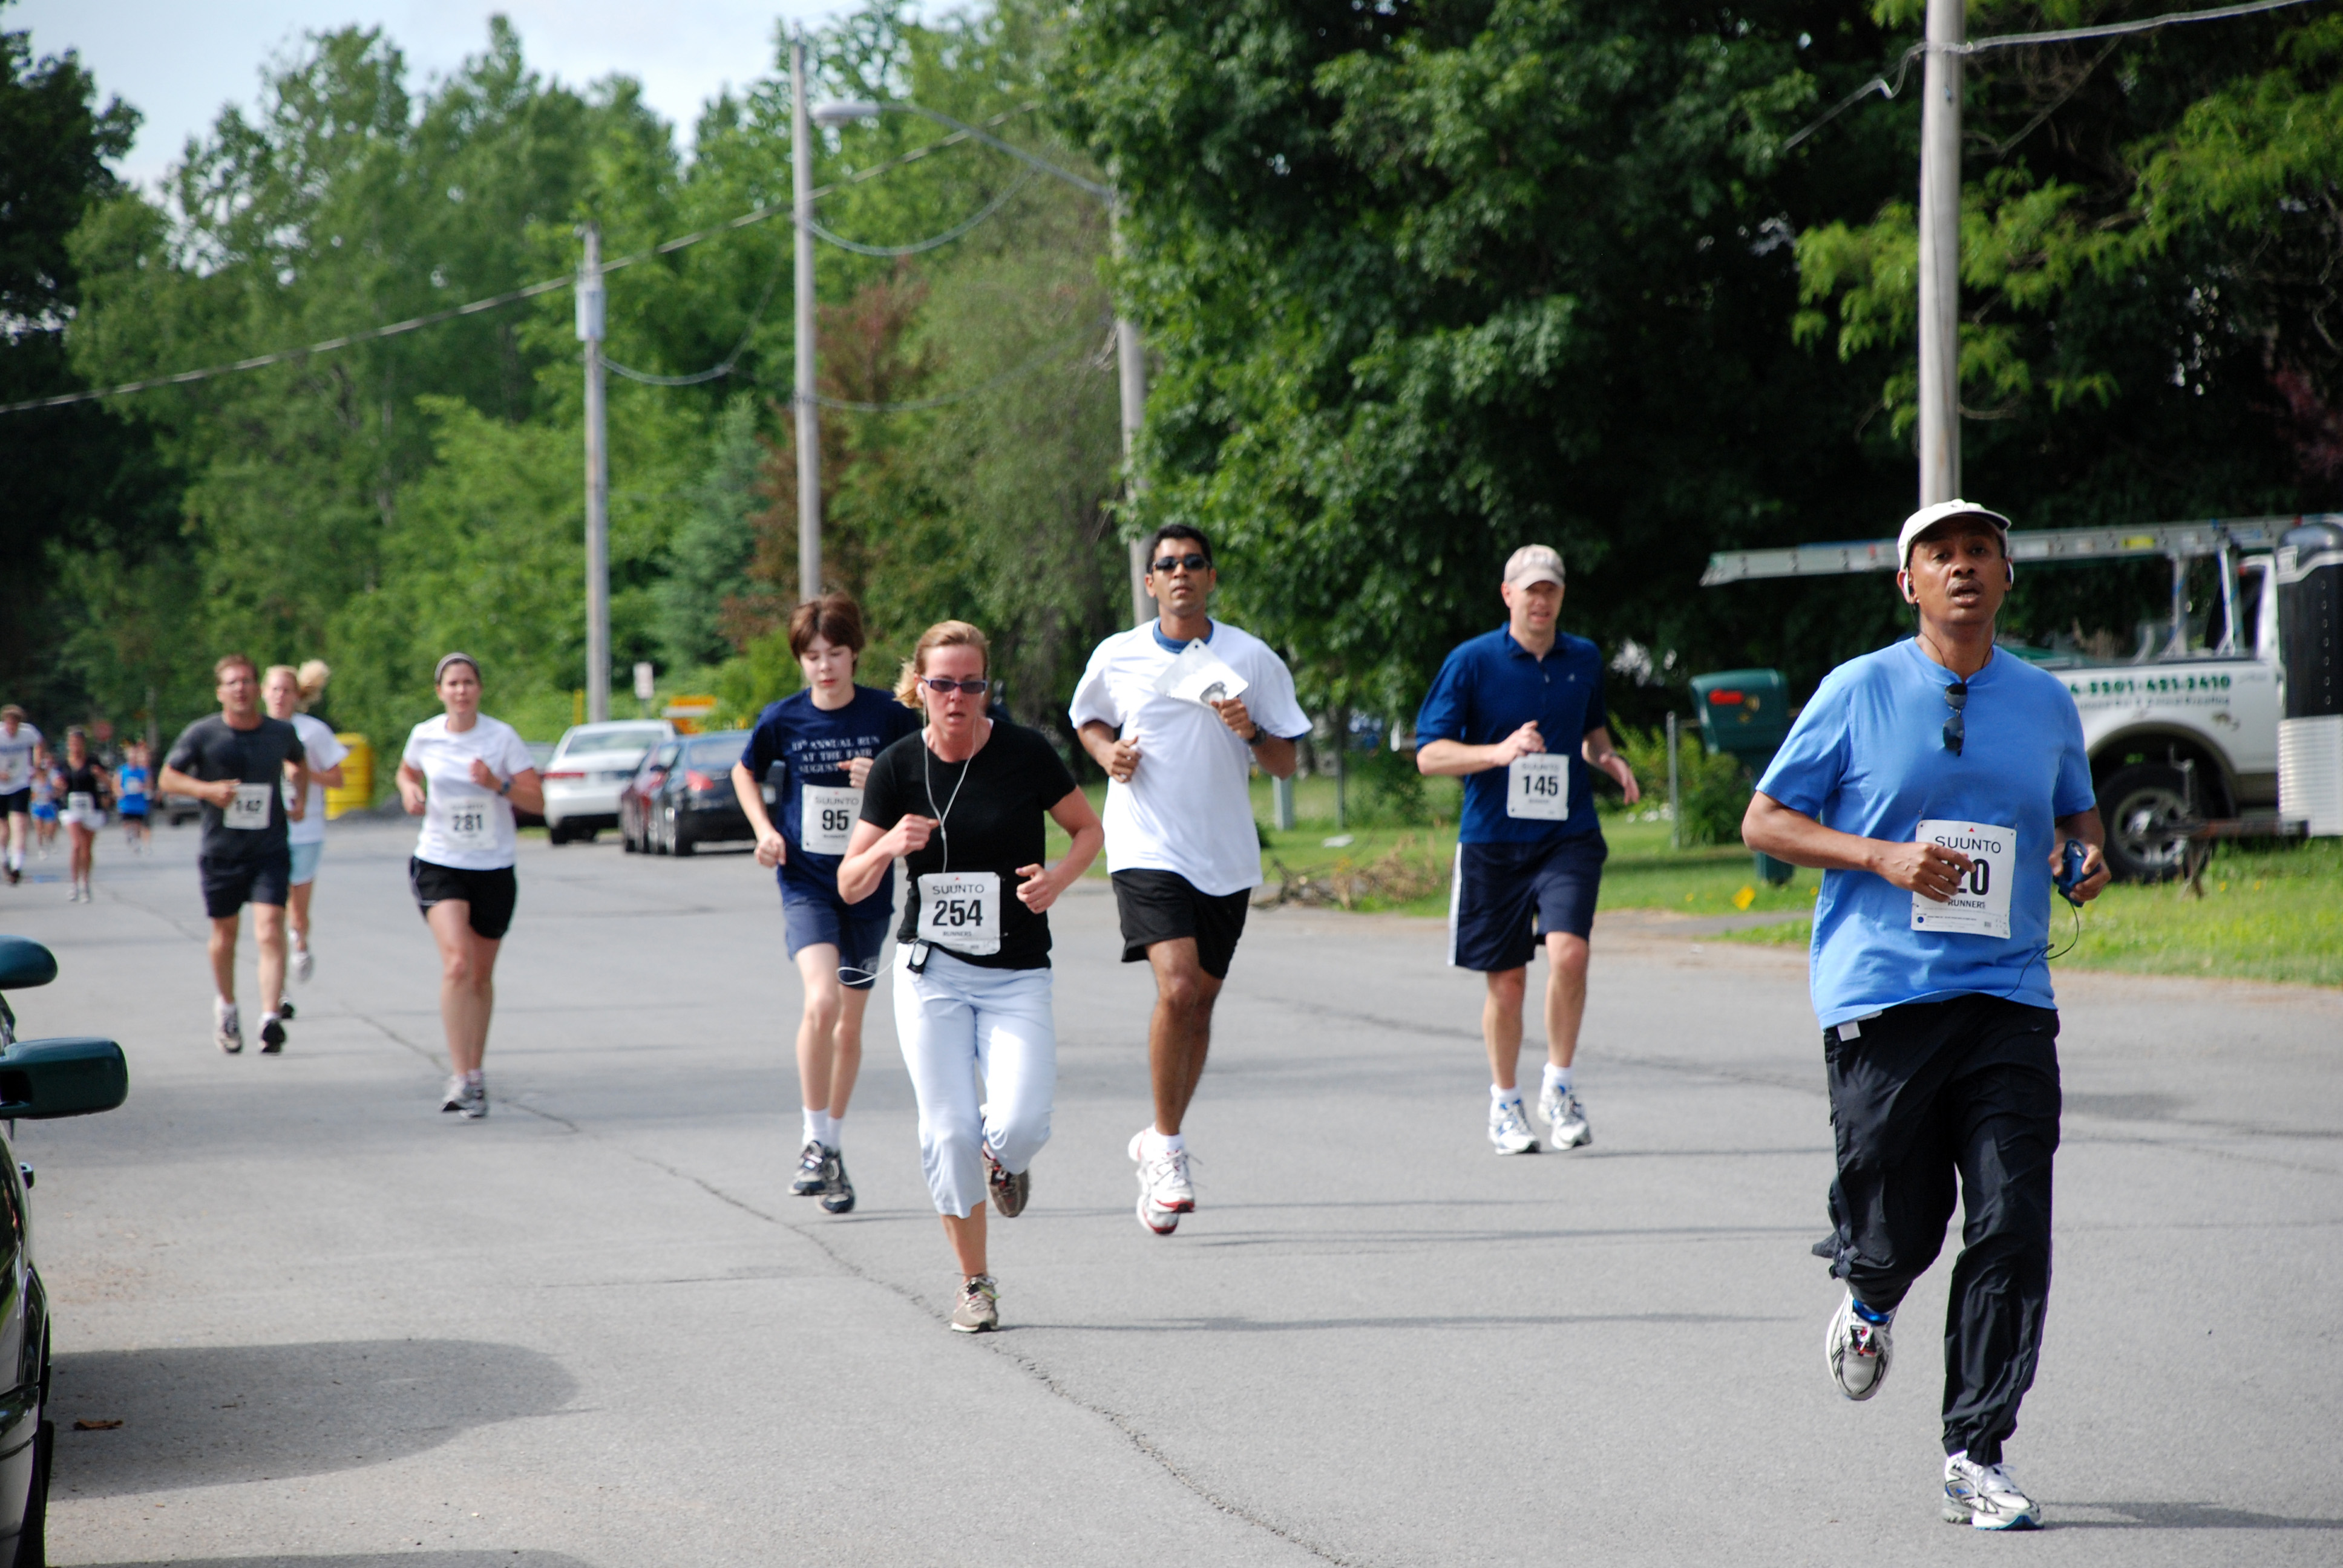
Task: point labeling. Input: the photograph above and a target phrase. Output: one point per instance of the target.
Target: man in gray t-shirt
(240, 763)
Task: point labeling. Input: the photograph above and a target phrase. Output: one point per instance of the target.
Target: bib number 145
(1537, 787)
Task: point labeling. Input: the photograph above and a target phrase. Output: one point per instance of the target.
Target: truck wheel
(2142, 808)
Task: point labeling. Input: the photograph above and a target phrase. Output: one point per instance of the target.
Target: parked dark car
(694, 804)
(543, 751)
(635, 798)
(39, 1080)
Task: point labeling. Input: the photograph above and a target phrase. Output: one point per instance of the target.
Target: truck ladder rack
(2177, 542)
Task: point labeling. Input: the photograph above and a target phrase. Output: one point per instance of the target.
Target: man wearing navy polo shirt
(1504, 715)
(1935, 783)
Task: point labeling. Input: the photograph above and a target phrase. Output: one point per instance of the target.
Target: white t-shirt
(1188, 808)
(16, 758)
(464, 825)
(323, 751)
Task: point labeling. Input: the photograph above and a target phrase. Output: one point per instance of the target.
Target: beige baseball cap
(1927, 517)
(1534, 564)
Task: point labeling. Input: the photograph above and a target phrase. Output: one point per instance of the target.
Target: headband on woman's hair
(445, 659)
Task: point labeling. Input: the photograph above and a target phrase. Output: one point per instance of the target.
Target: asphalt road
(340, 1329)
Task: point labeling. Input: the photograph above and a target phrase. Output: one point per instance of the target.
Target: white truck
(2183, 730)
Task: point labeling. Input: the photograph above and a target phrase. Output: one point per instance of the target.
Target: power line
(949, 235)
(512, 297)
(1886, 89)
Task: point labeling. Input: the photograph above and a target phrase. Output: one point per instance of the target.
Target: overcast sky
(180, 61)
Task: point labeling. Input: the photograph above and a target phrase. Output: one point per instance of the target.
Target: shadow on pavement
(219, 1415)
(377, 1560)
(2182, 1516)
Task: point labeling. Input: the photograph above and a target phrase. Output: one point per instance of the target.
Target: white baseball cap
(1535, 564)
(1927, 517)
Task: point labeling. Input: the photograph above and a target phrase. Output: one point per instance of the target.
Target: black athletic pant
(1920, 1095)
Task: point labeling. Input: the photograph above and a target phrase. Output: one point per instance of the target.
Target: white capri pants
(959, 1021)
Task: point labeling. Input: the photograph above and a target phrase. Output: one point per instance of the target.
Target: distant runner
(1176, 712)
(289, 692)
(1936, 783)
(88, 790)
(236, 763)
(133, 784)
(45, 775)
(22, 751)
(1506, 714)
(963, 804)
(462, 773)
(814, 750)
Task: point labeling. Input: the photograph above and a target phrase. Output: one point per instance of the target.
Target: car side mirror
(24, 963)
(42, 1079)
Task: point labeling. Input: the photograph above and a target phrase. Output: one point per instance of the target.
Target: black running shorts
(1164, 906)
(229, 885)
(490, 894)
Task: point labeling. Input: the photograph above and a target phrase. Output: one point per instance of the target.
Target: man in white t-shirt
(1176, 712)
(21, 751)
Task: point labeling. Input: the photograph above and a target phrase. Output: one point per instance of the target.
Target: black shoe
(284, 1009)
(813, 1173)
(15, 876)
(1827, 1247)
(272, 1036)
(838, 1198)
(1009, 1192)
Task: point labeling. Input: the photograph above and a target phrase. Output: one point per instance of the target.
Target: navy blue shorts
(1504, 899)
(812, 920)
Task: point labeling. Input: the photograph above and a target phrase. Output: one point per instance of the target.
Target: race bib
(1537, 787)
(80, 801)
(826, 818)
(1980, 907)
(961, 910)
(249, 812)
(465, 821)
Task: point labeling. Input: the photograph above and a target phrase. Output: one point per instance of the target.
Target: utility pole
(1131, 360)
(1940, 254)
(597, 483)
(809, 411)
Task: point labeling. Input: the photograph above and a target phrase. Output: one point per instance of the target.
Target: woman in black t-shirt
(962, 803)
(87, 791)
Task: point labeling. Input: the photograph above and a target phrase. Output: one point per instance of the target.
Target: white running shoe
(302, 965)
(227, 1027)
(1509, 1127)
(1857, 1350)
(1564, 1118)
(453, 1100)
(1984, 1496)
(1164, 1192)
(475, 1102)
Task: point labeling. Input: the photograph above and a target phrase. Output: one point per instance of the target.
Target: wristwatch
(503, 789)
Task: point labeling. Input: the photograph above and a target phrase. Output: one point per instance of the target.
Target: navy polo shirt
(1490, 687)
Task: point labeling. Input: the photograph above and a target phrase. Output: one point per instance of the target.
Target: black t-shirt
(209, 749)
(996, 825)
(90, 779)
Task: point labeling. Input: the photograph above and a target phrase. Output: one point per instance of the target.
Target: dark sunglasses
(1955, 729)
(1194, 563)
(966, 687)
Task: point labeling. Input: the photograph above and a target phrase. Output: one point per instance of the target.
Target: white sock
(1557, 1078)
(267, 1018)
(1157, 1143)
(1500, 1096)
(833, 1128)
(813, 1124)
(474, 1077)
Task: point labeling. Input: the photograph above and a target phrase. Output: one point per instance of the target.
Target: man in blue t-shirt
(1504, 714)
(813, 750)
(1935, 783)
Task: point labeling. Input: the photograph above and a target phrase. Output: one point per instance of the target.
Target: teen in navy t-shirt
(812, 752)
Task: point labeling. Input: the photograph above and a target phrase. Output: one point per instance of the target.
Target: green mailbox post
(1746, 714)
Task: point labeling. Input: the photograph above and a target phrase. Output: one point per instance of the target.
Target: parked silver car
(590, 766)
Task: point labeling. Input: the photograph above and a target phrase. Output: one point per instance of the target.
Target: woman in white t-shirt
(289, 692)
(462, 773)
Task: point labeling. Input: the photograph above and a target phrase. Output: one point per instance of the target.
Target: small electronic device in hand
(2070, 870)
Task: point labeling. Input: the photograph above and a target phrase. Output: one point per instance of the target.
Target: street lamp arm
(1103, 192)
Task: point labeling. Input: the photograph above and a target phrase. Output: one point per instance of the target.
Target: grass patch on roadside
(2267, 914)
